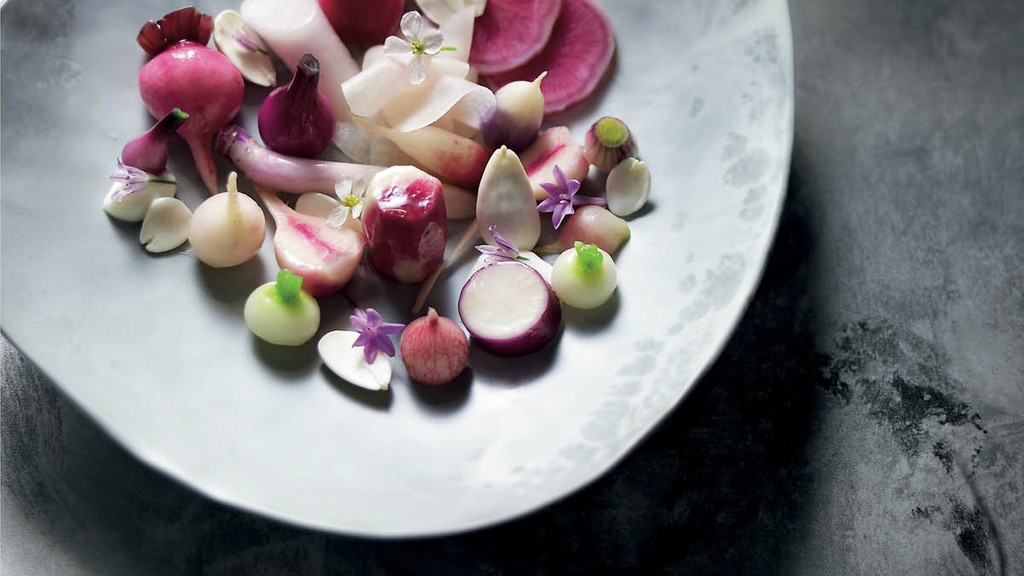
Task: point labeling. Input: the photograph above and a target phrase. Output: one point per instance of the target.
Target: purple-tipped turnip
(227, 229)
(286, 173)
(509, 309)
(517, 115)
(148, 151)
(555, 146)
(296, 27)
(505, 201)
(583, 276)
(198, 80)
(628, 186)
(406, 224)
(609, 142)
(296, 120)
(576, 57)
(325, 256)
(590, 225)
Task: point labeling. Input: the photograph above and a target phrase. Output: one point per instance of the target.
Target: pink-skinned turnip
(434, 349)
(186, 74)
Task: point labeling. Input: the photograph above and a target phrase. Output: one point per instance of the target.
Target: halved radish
(511, 32)
(509, 309)
(576, 57)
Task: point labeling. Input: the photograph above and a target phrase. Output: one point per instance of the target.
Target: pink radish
(326, 257)
(590, 225)
(511, 32)
(576, 57)
(555, 146)
(509, 309)
(185, 74)
(360, 23)
(447, 155)
(406, 223)
(434, 349)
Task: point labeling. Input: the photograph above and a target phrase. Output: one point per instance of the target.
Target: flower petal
(411, 25)
(396, 45)
(432, 40)
(560, 213)
(418, 69)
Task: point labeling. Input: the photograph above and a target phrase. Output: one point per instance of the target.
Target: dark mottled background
(867, 417)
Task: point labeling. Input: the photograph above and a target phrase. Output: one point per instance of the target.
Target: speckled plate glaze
(155, 348)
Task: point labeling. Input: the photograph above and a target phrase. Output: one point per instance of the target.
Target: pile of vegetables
(445, 113)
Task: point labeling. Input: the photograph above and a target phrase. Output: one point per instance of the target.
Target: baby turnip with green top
(281, 312)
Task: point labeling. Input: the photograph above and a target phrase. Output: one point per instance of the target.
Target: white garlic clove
(133, 207)
(348, 362)
(165, 226)
(628, 186)
(244, 48)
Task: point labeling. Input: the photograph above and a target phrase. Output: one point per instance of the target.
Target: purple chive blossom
(374, 335)
(130, 178)
(504, 250)
(562, 197)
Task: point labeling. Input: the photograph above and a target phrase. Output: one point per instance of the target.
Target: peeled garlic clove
(244, 48)
(628, 186)
(348, 362)
(517, 115)
(133, 207)
(505, 199)
(166, 225)
(609, 142)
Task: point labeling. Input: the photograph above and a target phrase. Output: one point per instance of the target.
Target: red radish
(555, 146)
(509, 309)
(591, 225)
(360, 23)
(434, 349)
(325, 256)
(297, 119)
(406, 224)
(576, 57)
(148, 151)
(511, 32)
(187, 75)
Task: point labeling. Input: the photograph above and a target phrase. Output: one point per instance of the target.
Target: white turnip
(281, 312)
(583, 276)
(227, 229)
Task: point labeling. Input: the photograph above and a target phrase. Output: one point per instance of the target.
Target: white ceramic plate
(155, 348)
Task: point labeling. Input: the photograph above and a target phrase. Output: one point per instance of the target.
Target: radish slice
(509, 309)
(576, 58)
(511, 32)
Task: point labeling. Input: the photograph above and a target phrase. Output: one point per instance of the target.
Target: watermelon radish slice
(576, 57)
(510, 32)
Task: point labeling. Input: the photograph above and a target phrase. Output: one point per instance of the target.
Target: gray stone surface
(866, 417)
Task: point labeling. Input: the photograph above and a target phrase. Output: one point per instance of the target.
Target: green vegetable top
(611, 132)
(589, 260)
(289, 286)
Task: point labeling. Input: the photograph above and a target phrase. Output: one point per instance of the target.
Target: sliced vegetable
(282, 312)
(406, 223)
(517, 115)
(583, 276)
(511, 32)
(505, 200)
(434, 349)
(554, 147)
(325, 256)
(576, 57)
(296, 27)
(196, 79)
(628, 186)
(590, 225)
(227, 229)
(244, 47)
(166, 225)
(296, 120)
(609, 141)
(148, 151)
(509, 309)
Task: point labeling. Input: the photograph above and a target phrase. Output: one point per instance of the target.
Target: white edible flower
(421, 41)
(350, 192)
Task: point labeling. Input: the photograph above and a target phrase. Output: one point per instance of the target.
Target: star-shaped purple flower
(562, 197)
(374, 335)
(504, 250)
(130, 178)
